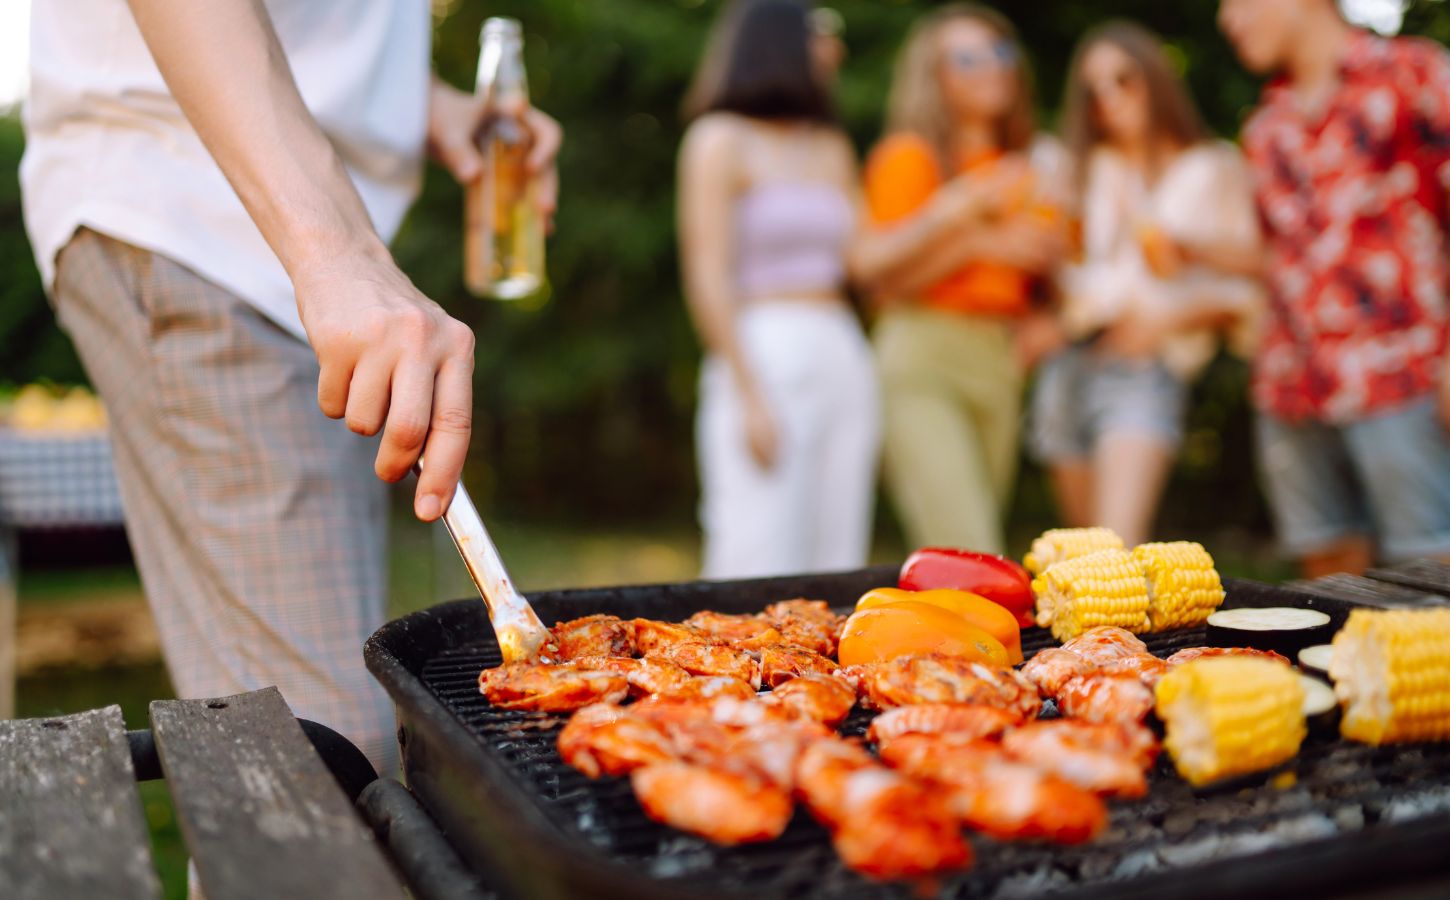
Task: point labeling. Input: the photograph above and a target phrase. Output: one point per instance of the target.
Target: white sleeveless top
(107, 147)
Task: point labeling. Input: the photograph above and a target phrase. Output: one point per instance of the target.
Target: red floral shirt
(1354, 202)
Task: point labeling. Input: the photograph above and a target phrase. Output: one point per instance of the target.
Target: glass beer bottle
(503, 232)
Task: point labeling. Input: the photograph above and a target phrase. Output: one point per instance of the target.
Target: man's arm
(391, 359)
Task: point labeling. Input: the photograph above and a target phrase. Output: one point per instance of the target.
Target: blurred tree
(585, 406)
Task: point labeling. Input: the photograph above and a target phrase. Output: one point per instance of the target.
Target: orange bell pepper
(907, 628)
(977, 610)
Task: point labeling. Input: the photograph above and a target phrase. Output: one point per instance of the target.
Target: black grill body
(1355, 818)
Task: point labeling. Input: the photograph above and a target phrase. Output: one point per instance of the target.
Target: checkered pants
(256, 522)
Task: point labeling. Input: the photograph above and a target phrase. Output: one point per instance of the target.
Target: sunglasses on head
(1002, 53)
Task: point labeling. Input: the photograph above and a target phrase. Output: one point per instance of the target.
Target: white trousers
(812, 510)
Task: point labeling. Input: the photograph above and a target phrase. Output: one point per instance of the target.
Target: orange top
(901, 175)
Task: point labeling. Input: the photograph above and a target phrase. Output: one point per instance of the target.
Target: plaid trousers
(257, 524)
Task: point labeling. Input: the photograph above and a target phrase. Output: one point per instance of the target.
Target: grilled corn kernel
(1183, 586)
(1058, 544)
(1227, 716)
(1391, 672)
(1108, 587)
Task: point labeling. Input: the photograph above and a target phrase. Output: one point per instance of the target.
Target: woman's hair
(1172, 113)
(758, 63)
(916, 104)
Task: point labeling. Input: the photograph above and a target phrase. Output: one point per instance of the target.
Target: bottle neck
(501, 69)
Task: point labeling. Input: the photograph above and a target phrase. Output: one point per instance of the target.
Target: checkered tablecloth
(57, 480)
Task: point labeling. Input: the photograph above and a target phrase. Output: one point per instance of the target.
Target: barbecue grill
(1343, 818)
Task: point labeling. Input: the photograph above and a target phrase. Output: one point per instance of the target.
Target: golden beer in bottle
(503, 246)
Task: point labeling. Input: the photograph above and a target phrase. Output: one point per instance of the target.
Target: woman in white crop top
(1170, 253)
(787, 426)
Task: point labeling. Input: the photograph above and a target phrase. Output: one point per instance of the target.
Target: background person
(1350, 148)
(199, 224)
(963, 228)
(1170, 244)
(787, 428)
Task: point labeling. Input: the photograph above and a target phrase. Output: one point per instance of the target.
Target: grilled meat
(594, 636)
(550, 688)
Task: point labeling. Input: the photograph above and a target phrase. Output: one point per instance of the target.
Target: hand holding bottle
(454, 121)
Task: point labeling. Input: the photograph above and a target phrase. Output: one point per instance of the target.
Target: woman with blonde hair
(964, 227)
(1170, 259)
(787, 428)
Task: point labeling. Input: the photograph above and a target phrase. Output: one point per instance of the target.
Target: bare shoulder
(713, 136)
(836, 153)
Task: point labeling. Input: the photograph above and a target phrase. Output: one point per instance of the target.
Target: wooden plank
(1367, 592)
(70, 818)
(1421, 574)
(262, 815)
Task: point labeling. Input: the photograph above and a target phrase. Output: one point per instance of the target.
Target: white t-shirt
(107, 146)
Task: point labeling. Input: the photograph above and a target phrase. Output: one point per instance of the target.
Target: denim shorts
(1081, 395)
(1386, 477)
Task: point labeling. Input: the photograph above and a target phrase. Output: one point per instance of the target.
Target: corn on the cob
(1058, 544)
(1228, 716)
(1108, 587)
(1391, 671)
(1183, 586)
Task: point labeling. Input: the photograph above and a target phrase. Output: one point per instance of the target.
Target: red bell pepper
(997, 578)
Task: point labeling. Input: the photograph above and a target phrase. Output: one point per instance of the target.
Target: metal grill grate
(1339, 788)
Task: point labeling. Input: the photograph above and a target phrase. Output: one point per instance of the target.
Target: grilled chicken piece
(730, 628)
(1106, 698)
(1189, 654)
(780, 663)
(996, 795)
(1103, 645)
(1050, 669)
(701, 658)
(800, 609)
(770, 749)
(651, 636)
(1104, 758)
(1143, 666)
(550, 688)
(819, 698)
(965, 722)
(882, 824)
(708, 687)
(933, 678)
(605, 739)
(646, 676)
(807, 623)
(594, 636)
(1136, 742)
(721, 806)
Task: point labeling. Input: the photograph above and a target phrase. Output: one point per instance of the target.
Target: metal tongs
(520, 633)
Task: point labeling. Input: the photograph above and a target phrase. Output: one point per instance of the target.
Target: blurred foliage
(584, 407)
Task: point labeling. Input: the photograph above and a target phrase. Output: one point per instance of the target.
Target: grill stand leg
(428, 864)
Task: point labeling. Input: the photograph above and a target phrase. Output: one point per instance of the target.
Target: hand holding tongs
(519, 631)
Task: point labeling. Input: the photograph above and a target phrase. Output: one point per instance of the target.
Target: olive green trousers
(952, 393)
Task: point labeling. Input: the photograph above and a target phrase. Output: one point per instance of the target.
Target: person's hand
(982, 196)
(1165, 256)
(1139, 334)
(761, 435)
(1038, 336)
(1027, 244)
(454, 118)
(392, 360)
